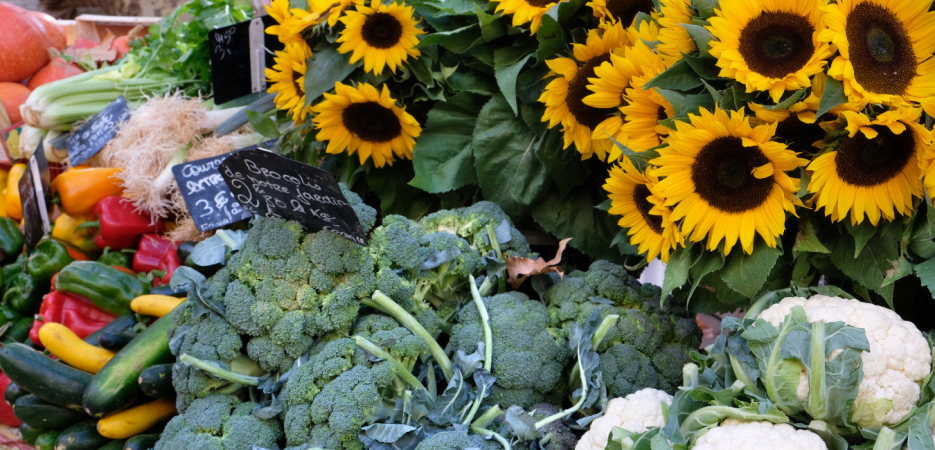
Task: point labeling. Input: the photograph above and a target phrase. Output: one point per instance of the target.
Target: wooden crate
(94, 27)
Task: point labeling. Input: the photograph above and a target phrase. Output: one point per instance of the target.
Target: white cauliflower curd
(736, 434)
(635, 412)
(899, 356)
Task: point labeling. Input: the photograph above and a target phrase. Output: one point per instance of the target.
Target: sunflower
(526, 11)
(299, 28)
(875, 170)
(288, 80)
(885, 48)
(564, 95)
(384, 35)
(649, 221)
(769, 45)
(365, 121)
(637, 127)
(727, 180)
(622, 11)
(279, 10)
(673, 37)
(331, 8)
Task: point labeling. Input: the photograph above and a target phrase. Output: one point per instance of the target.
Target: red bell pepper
(73, 311)
(152, 248)
(169, 262)
(119, 224)
(6, 411)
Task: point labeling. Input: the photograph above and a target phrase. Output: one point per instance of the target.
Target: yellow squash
(14, 208)
(136, 420)
(71, 349)
(155, 305)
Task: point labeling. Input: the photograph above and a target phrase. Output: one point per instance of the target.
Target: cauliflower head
(737, 434)
(635, 413)
(899, 356)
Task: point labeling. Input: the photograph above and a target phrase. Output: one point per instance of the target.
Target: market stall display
(423, 229)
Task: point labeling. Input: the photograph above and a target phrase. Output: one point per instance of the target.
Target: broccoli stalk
(229, 375)
(488, 417)
(596, 339)
(381, 302)
(496, 436)
(403, 372)
(584, 394)
(488, 344)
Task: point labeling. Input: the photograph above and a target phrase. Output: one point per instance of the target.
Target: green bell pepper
(24, 293)
(110, 258)
(10, 270)
(18, 331)
(48, 259)
(7, 314)
(105, 286)
(11, 240)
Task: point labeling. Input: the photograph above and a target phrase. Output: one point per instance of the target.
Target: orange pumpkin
(25, 43)
(55, 70)
(12, 95)
(55, 31)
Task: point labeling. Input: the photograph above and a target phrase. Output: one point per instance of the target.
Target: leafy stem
(385, 304)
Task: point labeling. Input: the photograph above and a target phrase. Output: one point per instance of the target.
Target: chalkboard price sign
(96, 132)
(33, 190)
(275, 186)
(240, 54)
(210, 202)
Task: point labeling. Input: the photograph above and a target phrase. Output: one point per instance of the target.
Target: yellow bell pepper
(81, 187)
(3, 178)
(66, 230)
(14, 207)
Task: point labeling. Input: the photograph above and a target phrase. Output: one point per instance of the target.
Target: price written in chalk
(222, 41)
(274, 186)
(96, 132)
(210, 202)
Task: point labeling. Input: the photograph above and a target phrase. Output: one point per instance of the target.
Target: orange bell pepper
(66, 229)
(14, 207)
(81, 187)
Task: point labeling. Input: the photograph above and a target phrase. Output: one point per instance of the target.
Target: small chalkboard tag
(35, 212)
(96, 132)
(210, 202)
(271, 185)
(240, 53)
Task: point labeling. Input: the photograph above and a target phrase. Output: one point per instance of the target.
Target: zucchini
(156, 381)
(65, 344)
(136, 420)
(19, 331)
(116, 385)
(114, 341)
(50, 380)
(13, 392)
(83, 436)
(114, 445)
(141, 442)
(40, 414)
(122, 324)
(30, 433)
(46, 440)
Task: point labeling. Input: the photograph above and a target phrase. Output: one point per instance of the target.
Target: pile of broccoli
(309, 340)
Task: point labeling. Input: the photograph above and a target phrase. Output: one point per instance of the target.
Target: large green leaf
(575, 216)
(679, 77)
(508, 171)
(745, 273)
(705, 67)
(831, 97)
(869, 269)
(551, 37)
(508, 61)
(442, 158)
(677, 270)
(472, 82)
(704, 263)
(701, 36)
(926, 273)
(564, 166)
(396, 197)
(458, 41)
(807, 240)
(325, 68)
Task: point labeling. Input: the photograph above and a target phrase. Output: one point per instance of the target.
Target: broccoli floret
(396, 244)
(560, 436)
(448, 263)
(472, 224)
(219, 421)
(456, 440)
(525, 355)
(646, 347)
(330, 397)
(406, 347)
(372, 323)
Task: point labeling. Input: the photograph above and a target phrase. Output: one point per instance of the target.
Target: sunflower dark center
(577, 90)
(640, 195)
(870, 162)
(777, 43)
(539, 3)
(299, 89)
(626, 10)
(722, 175)
(661, 113)
(371, 122)
(880, 49)
(797, 135)
(382, 30)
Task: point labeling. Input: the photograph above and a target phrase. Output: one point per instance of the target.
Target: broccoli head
(219, 422)
(475, 224)
(329, 398)
(287, 287)
(457, 440)
(647, 346)
(527, 359)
